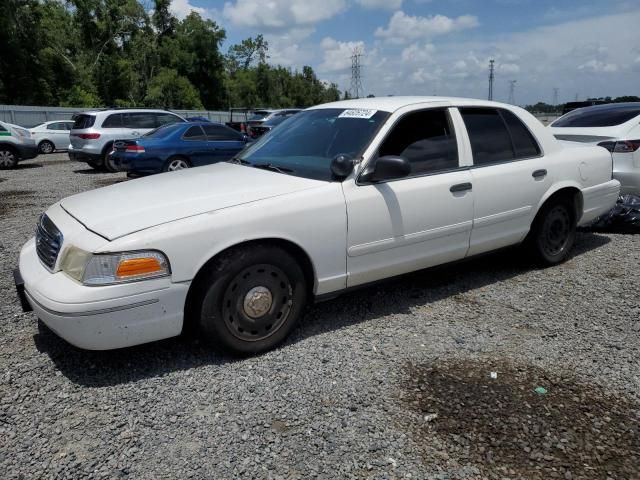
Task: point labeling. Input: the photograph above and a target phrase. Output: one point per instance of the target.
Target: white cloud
(281, 14)
(596, 66)
(385, 4)
(182, 8)
(403, 27)
(337, 55)
(416, 53)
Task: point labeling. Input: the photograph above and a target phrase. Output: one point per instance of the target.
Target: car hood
(128, 207)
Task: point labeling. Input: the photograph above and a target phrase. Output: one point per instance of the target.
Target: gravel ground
(393, 381)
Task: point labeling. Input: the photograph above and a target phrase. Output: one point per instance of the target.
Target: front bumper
(100, 318)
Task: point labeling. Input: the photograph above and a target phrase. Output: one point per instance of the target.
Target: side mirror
(388, 167)
(341, 166)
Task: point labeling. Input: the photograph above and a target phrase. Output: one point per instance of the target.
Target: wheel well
(8, 146)
(183, 157)
(573, 195)
(196, 288)
(106, 147)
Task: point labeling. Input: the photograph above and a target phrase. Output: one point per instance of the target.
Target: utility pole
(491, 77)
(356, 79)
(512, 92)
(555, 96)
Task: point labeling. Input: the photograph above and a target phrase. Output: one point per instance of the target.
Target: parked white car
(353, 192)
(614, 126)
(51, 136)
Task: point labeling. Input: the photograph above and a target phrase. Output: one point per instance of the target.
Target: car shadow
(90, 171)
(25, 166)
(107, 368)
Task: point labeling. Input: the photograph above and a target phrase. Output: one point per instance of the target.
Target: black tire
(95, 164)
(553, 232)
(8, 157)
(250, 299)
(174, 164)
(45, 147)
(107, 164)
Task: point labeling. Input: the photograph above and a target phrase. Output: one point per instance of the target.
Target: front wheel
(252, 299)
(553, 233)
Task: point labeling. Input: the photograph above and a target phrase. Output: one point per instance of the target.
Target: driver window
(425, 138)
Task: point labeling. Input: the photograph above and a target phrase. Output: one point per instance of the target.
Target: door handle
(460, 187)
(539, 173)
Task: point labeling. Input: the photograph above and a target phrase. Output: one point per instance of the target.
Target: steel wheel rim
(257, 302)
(7, 158)
(177, 164)
(46, 147)
(556, 231)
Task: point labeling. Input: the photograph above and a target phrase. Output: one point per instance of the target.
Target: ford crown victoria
(353, 192)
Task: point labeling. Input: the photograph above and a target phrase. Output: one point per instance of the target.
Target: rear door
(195, 147)
(224, 142)
(58, 134)
(509, 177)
(140, 123)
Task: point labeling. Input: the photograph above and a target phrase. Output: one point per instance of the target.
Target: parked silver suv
(94, 132)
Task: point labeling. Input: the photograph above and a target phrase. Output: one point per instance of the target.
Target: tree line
(92, 53)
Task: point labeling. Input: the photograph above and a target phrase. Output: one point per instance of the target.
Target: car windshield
(312, 139)
(162, 132)
(599, 116)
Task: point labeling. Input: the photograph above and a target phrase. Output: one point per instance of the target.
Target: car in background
(94, 132)
(259, 130)
(176, 147)
(197, 119)
(15, 144)
(51, 136)
(261, 116)
(614, 126)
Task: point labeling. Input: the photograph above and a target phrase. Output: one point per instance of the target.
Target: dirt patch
(507, 429)
(10, 199)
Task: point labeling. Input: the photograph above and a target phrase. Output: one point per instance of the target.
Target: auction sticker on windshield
(358, 113)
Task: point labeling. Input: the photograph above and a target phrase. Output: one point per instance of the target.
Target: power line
(491, 77)
(356, 77)
(512, 92)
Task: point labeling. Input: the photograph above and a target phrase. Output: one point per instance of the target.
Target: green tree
(170, 90)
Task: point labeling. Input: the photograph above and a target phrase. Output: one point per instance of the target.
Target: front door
(415, 222)
(224, 142)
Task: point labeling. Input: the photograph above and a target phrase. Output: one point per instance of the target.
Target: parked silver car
(94, 132)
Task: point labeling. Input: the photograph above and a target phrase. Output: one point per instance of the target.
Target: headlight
(111, 268)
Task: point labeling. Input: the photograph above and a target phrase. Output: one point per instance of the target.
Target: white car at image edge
(614, 126)
(345, 194)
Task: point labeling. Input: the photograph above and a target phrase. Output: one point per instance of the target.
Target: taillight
(87, 136)
(135, 148)
(622, 146)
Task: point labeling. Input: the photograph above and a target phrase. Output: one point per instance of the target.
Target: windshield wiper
(238, 160)
(273, 168)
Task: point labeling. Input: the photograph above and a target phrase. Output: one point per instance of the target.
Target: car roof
(391, 104)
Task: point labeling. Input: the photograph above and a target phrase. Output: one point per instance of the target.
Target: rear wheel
(176, 163)
(46, 147)
(8, 158)
(553, 232)
(107, 161)
(251, 299)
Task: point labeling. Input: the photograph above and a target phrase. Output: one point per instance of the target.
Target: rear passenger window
(166, 119)
(194, 133)
(113, 121)
(426, 139)
(141, 120)
(523, 142)
(218, 132)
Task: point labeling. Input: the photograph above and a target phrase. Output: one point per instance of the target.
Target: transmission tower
(555, 96)
(356, 79)
(491, 77)
(512, 92)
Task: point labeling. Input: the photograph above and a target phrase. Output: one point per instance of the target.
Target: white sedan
(614, 126)
(349, 193)
(51, 136)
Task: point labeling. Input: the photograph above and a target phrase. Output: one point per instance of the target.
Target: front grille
(48, 241)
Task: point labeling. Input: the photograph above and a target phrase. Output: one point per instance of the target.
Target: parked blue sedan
(177, 146)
